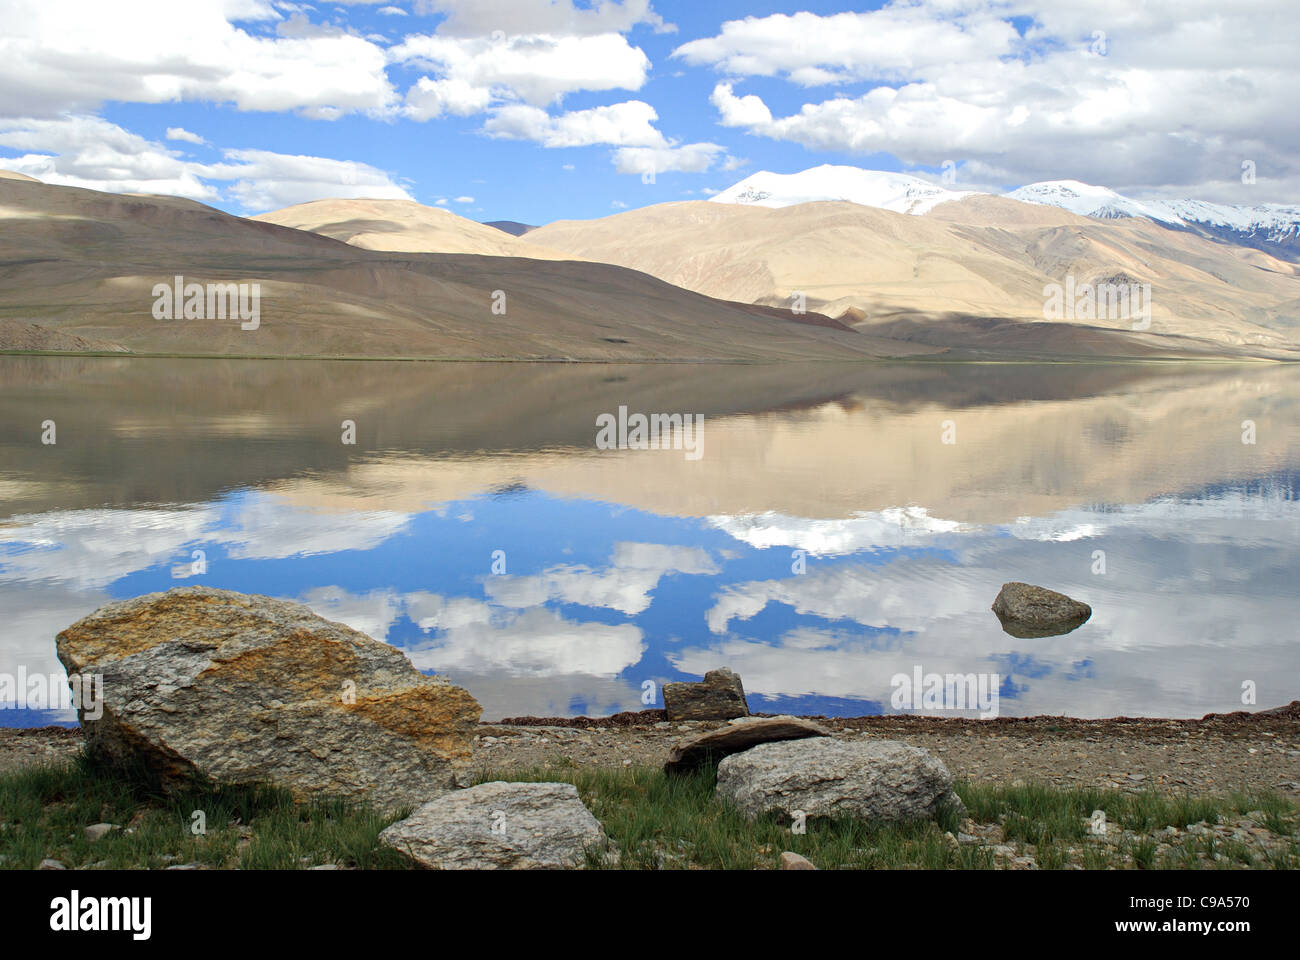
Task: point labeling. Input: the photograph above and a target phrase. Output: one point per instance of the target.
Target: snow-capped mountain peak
(899, 192)
(1089, 201)
(1272, 227)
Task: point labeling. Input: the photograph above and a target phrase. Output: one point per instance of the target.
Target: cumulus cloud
(624, 124)
(748, 111)
(475, 17)
(58, 56)
(686, 158)
(538, 69)
(89, 152)
(1106, 92)
(180, 133)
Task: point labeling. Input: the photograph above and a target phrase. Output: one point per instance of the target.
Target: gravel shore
(1217, 754)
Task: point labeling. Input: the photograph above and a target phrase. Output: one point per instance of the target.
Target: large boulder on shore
(720, 696)
(203, 683)
(742, 733)
(498, 825)
(878, 780)
(1029, 611)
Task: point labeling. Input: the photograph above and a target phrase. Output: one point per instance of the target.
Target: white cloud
(89, 152)
(476, 17)
(687, 158)
(622, 124)
(957, 82)
(180, 133)
(58, 56)
(747, 111)
(430, 98)
(537, 69)
(391, 11)
(464, 200)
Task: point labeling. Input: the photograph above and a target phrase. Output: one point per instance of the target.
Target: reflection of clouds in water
(625, 585)
(479, 637)
(1198, 597)
(372, 613)
(93, 548)
(34, 613)
(554, 695)
(266, 528)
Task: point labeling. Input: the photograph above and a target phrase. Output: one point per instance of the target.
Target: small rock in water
(1027, 611)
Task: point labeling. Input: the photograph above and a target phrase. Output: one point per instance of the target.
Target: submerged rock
(691, 753)
(498, 825)
(1029, 611)
(204, 683)
(720, 696)
(878, 780)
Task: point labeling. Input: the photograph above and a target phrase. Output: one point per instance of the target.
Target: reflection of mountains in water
(803, 440)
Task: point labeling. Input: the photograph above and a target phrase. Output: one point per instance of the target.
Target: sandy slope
(984, 257)
(405, 225)
(85, 263)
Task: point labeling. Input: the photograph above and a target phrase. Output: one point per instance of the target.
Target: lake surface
(826, 539)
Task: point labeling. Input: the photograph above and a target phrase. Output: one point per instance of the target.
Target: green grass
(655, 822)
(44, 810)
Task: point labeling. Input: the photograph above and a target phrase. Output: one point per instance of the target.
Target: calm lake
(834, 526)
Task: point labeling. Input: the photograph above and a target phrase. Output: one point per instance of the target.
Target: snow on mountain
(870, 188)
(1101, 203)
(1272, 227)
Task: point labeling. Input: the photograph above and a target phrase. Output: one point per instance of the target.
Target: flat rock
(97, 831)
(792, 861)
(720, 696)
(691, 753)
(203, 683)
(877, 780)
(498, 825)
(1027, 611)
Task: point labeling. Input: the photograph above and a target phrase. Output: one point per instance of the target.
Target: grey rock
(203, 683)
(720, 696)
(515, 826)
(792, 861)
(877, 780)
(48, 864)
(97, 831)
(1028, 611)
(691, 753)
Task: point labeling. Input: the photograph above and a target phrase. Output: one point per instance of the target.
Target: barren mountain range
(898, 270)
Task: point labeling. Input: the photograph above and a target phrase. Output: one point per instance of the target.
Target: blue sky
(536, 110)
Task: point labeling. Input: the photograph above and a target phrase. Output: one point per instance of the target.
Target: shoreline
(1216, 754)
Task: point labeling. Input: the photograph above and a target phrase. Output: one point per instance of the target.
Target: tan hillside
(404, 225)
(11, 175)
(84, 264)
(923, 278)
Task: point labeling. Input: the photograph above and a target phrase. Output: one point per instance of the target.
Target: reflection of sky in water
(1198, 596)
